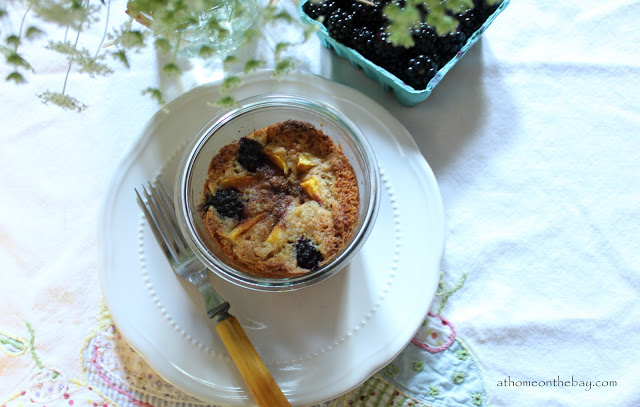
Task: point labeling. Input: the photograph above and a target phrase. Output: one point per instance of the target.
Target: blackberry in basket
(439, 33)
(340, 25)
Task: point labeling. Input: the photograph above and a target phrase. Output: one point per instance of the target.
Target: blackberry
(367, 15)
(250, 155)
(425, 39)
(484, 10)
(449, 44)
(383, 48)
(307, 255)
(468, 22)
(387, 55)
(313, 9)
(362, 41)
(362, 27)
(340, 25)
(420, 70)
(226, 202)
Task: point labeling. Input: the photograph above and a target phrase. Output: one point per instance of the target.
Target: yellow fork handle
(263, 387)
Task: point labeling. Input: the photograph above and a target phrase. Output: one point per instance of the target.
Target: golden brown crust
(304, 188)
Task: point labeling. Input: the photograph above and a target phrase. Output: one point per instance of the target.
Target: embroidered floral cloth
(437, 368)
(534, 140)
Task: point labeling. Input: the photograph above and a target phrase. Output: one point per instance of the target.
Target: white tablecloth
(534, 138)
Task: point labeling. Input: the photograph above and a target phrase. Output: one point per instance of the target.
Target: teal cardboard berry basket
(403, 92)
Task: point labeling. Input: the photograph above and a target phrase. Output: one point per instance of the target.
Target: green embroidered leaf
(391, 370)
(121, 56)
(171, 69)
(434, 390)
(33, 32)
(13, 41)
(476, 399)
(252, 65)
(458, 377)
(3, 12)
(229, 82)
(156, 94)
(163, 45)
(64, 101)
(13, 346)
(32, 336)
(403, 20)
(462, 354)
(418, 366)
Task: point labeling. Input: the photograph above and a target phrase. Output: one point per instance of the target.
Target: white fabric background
(534, 140)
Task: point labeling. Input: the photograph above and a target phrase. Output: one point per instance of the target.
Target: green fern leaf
(121, 56)
(171, 69)
(231, 59)
(16, 77)
(252, 65)
(284, 66)
(224, 101)
(229, 82)
(33, 32)
(163, 45)
(156, 94)
(64, 101)
(206, 51)
(13, 41)
(16, 60)
(280, 47)
(132, 39)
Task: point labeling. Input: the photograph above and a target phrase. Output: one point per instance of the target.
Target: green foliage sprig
(167, 25)
(405, 18)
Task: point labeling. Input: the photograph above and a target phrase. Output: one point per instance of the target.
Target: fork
(158, 209)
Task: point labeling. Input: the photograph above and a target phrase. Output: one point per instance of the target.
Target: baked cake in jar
(282, 201)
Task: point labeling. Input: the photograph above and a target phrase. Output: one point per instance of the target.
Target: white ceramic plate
(318, 342)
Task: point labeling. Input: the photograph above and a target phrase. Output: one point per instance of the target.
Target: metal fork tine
(167, 216)
(154, 227)
(166, 202)
(160, 221)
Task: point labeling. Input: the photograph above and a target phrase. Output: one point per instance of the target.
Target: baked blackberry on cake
(281, 201)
